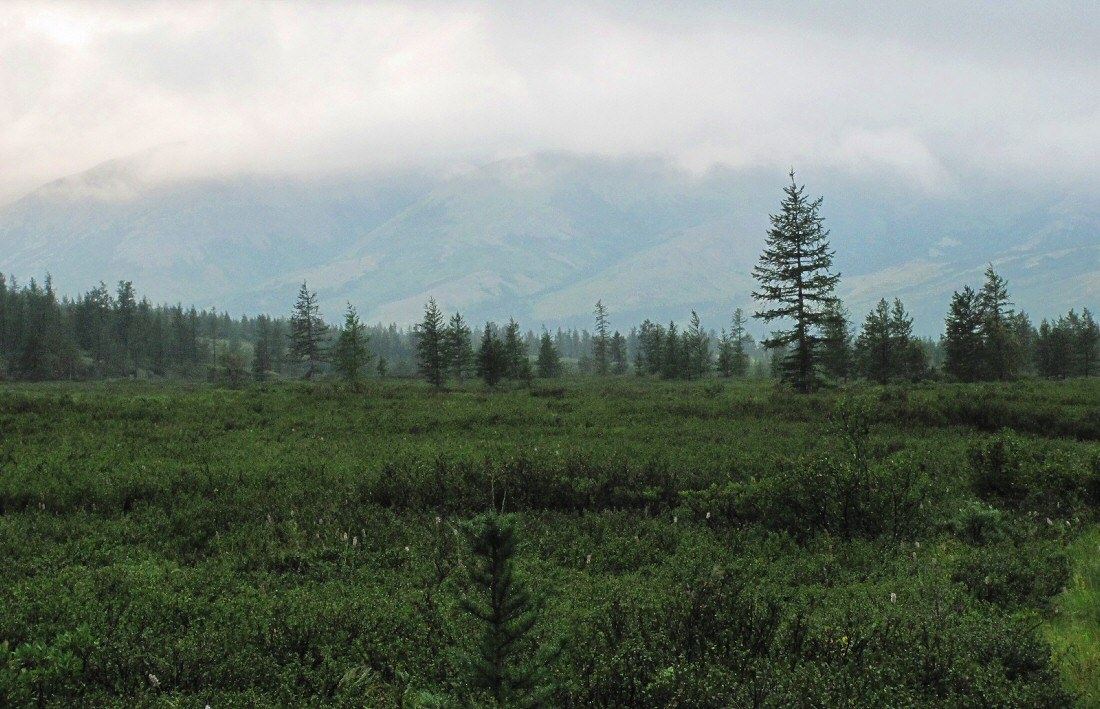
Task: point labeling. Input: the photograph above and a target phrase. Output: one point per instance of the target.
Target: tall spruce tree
(725, 354)
(601, 341)
(549, 362)
(796, 284)
(262, 361)
(431, 358)
(515, 353)
(671, 353)
(886, 349)
(617, 353)
(999, 345)
(492, 363)
(836, 345)
(647, 359)
(459, 349)
(962, 340)
(697, 348)
(740, 361)
(350, 355)
(307, 331)
(1087, 340)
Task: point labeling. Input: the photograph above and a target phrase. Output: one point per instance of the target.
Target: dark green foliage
(696, 349)
(459, 350)
(617, 354)
(601, 341)
(796, 284)
(350, 356)
(964, 349)
(1021, 473)
(492, 360)
(999, 342)
(307, 332)
(651, 342)
(431, 362)
(506, 613)
(699, 546)
(836, 343)
(549, 362)
(263, 360)
(886, 349)
(672, 354)
(518, 363)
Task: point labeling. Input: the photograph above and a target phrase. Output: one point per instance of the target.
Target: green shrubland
(679, 544)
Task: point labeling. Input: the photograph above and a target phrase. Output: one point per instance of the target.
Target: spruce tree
(601, 342)
(491, 361)
(999, 343)
(740, 359)
(459, 350)
(963, 337)
(836, 345)
(617, 353)
(911, 358)
(874, 347)
(430, 356)
(671, 353)
(262, 362)
(307, 331)
(350, 355)
(796, 284)
(725, 354)
(549, 362)
(697, 348)
(647, 359)
(1088, 343)
(515, 353)
(502, 664)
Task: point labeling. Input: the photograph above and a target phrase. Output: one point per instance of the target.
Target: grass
(1074, 632)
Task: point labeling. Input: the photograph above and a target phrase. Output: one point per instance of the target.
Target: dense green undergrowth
(692, 544)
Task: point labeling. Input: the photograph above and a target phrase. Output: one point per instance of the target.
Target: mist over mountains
(538, 238)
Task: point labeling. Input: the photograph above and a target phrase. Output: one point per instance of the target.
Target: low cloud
(934, 97)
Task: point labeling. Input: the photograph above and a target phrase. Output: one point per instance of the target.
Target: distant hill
(539, 238)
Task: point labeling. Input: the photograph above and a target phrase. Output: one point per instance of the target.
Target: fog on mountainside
(539, 238)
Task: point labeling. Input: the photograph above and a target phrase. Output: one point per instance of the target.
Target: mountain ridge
(539, 238)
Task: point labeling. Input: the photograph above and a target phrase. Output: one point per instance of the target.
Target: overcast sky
(938, 94)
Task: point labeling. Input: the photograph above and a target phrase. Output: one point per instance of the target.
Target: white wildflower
(153, 681)
(893, 598)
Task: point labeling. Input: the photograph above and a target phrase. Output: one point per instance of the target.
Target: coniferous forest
(301, 508)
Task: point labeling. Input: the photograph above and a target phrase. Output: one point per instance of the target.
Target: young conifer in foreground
(506, 611)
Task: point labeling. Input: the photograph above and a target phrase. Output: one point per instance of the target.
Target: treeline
(105, 333)
(109, 332)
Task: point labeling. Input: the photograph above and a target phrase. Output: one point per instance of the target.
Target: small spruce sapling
(506, 613)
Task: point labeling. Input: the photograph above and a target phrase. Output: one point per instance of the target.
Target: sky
(939, 94)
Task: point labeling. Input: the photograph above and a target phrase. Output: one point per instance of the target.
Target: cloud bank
(938, 95)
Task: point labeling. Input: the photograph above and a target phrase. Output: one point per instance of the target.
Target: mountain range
(540, 238)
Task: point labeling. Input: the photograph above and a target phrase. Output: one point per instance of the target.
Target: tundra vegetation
(665, 543)
(663, 518)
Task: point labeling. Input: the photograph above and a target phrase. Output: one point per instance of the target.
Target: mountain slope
(539, 238)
